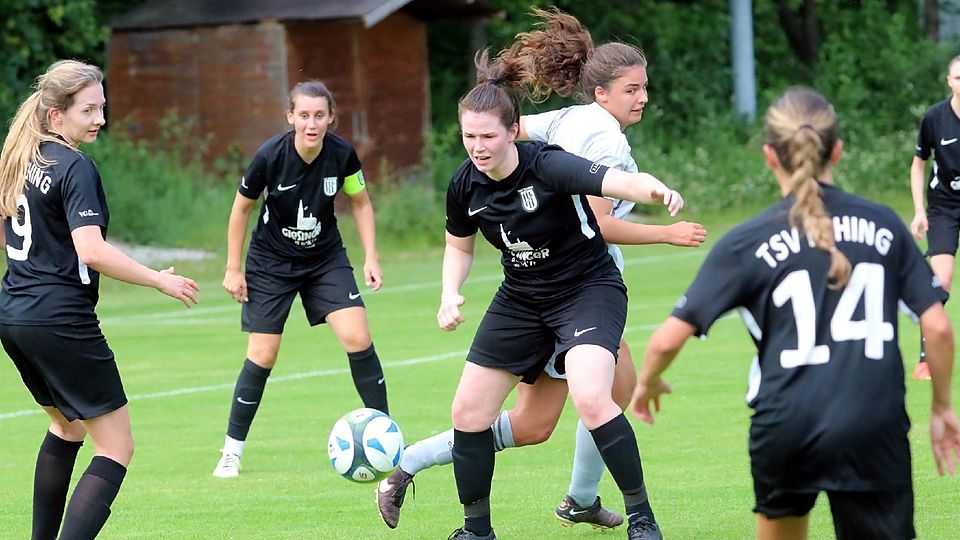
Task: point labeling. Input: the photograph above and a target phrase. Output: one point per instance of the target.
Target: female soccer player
(296, 248)
(55, 223)
(940, 221)
(817, 279)
(613, 81)
(562, 295)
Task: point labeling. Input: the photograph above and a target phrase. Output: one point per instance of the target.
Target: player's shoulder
(274, 146)
(938, 110)
(338, 144)
(67, 158)
(840, 203)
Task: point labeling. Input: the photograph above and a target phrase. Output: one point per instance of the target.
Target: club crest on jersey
(528, 199)
(330, 186)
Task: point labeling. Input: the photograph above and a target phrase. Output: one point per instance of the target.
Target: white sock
(435, 450)
(502, 432)
(587, 468)
(232, 446)
(438, 449)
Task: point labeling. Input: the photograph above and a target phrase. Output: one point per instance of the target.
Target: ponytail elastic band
(808, 126)
(492, 81)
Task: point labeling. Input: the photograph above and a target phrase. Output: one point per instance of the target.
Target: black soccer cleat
(643, 528)
(569, 513)
(390, 493)
(463, 534)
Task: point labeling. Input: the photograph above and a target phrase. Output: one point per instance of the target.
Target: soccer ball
(365, 445)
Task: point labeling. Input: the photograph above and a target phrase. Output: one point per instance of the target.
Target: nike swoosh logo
(578, 512)
(945, 142)
(353, 296)
(472, 213)
(242, 401)
(578, 333)
(243, 182)
(380, 380)
(281, 187)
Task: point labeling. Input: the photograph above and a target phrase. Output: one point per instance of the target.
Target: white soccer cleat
(228, 466)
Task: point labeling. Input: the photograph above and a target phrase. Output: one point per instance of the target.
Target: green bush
(159, 197)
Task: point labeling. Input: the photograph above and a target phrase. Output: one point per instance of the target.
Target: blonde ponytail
(801, 127)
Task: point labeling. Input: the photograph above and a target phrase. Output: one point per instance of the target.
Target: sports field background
(179, 368)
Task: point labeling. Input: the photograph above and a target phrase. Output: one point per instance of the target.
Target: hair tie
(833, 249)
(492, 81)
(808, 126)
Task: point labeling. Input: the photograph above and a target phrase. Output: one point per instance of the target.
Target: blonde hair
(561, 58)
(55, 89)
(801, 127)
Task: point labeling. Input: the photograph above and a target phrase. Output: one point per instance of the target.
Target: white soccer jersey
(590, 132)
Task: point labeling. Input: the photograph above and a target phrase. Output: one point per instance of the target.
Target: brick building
(229, 65)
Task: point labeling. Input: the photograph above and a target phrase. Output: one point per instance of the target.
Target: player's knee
(469, 418)
(68, 431)
(356, 341)
(530, 434)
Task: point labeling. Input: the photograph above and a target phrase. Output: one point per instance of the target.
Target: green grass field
(179, 367)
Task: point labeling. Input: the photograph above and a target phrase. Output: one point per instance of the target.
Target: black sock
(368, 378)
(618, 446)
(246, 399)
(90, 503)
(51, 479)
(473, 460)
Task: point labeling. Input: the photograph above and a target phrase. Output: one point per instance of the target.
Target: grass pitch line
(274, 379)
(297, 376)
(200, 311)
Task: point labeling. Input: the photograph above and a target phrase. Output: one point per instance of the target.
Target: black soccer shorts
(943, 220)
(878, 515)
(69, 367)
(324, 287)
(520, 336)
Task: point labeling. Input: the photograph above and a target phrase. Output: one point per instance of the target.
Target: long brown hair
(801, 127)
(55, 89)
(560, 57)
(499, 81)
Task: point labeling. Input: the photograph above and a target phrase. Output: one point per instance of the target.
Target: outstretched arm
(640, 187)
(662, 348)
(621, 231)
(100, 255)
(366, 228)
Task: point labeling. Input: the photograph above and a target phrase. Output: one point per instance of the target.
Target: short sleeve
(610, 149)
(918, 288)
(568, 173)
(353, 181)
(80, 189)
(719, 287)
(925, 136)
(537, 126)
(254, 179)
(459, 223)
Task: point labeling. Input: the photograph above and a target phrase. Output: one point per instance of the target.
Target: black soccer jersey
(940, 133)
(45, 282)
(297, 220)
(538, 217)
(827, 386)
